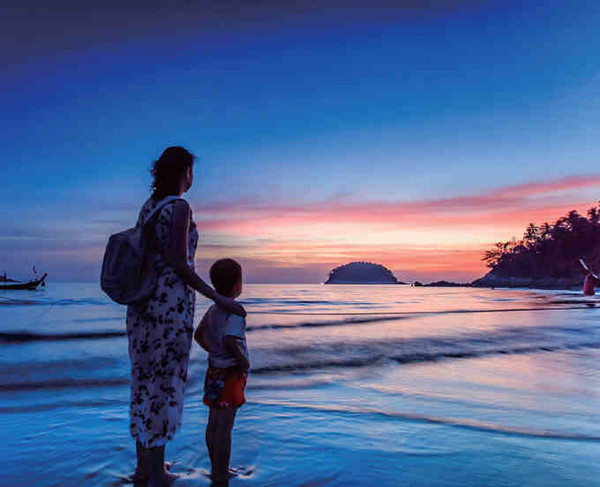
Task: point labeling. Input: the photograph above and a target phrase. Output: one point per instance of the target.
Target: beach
(350, 385)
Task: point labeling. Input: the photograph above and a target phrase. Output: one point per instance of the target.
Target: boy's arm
(233, 345)
(199, 334)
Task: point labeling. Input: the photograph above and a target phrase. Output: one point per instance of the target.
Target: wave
(310, 359)
(66, 383)
(293, 383)
(382, 316)
(439, 312)
(422, 418)
(317, 324)
(28, 408)
(510, 341)
(53, 302)
(587, 302)
(98, 320)
(310, 356)
(418, 357)
(463, 423)
(26, 336)
(303, 302)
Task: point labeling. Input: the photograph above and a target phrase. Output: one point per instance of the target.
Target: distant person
(223, 335)
(160, 328)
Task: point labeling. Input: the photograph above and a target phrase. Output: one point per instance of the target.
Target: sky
(415, 134)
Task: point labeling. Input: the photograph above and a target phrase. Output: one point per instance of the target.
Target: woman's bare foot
(138, 476)
(169, 477)
(141, 475)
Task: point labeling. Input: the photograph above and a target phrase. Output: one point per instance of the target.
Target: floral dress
(159, 330)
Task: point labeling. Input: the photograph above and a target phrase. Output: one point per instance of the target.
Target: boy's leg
(211, 428)
(221, 442)
(228, 420)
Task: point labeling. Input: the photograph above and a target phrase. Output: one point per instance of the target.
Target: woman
(160, 328)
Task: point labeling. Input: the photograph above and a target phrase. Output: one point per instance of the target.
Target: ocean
(350, 385)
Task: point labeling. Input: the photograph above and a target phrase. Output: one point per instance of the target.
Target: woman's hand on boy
(231, 305)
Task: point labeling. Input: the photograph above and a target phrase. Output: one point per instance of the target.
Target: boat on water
(32, 285)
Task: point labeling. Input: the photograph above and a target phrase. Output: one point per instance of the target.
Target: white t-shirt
(217, 324)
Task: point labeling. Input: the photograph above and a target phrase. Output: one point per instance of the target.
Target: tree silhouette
(549, 250)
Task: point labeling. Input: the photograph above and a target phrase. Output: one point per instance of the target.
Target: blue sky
(283, 105)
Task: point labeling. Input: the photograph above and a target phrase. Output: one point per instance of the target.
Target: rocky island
(446, 284)
(361, 273)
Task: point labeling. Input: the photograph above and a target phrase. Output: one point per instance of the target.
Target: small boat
(29, 285)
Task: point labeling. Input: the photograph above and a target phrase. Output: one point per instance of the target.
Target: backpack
(128, 271)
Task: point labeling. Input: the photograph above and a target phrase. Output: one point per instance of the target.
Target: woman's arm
(177, 257)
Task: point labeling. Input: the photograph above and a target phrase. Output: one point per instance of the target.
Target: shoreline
(565, 284)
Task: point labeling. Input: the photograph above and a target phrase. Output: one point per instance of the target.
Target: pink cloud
(436, 237)
(506, 206)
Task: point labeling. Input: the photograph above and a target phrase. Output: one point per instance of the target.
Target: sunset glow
(431, 239)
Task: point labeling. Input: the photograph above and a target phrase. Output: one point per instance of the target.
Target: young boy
(223, 336)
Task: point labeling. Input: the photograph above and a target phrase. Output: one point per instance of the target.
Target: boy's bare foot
(223, 480)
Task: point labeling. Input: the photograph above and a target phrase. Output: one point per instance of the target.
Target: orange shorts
(224, 388)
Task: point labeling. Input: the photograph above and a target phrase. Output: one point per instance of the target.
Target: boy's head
(226, 277)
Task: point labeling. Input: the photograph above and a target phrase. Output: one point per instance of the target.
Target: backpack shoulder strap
(159, 206)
